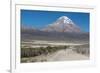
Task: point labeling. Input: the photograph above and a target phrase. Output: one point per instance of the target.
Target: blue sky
(39, 19)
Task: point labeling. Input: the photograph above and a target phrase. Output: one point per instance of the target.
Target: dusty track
(61, 55)
(67, 54)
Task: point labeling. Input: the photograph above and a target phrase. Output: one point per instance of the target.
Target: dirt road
(63, 55)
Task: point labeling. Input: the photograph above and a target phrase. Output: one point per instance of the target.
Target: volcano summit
(62, 24)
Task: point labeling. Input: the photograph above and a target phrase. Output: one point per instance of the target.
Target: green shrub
(32, 52)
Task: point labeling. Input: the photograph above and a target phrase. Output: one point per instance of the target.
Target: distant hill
(54, 36)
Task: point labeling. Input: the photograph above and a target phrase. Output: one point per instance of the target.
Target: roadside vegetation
(32, 52)
(82, 49)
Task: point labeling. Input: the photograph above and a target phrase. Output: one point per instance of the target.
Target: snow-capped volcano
(62, 24)
(65, 19)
